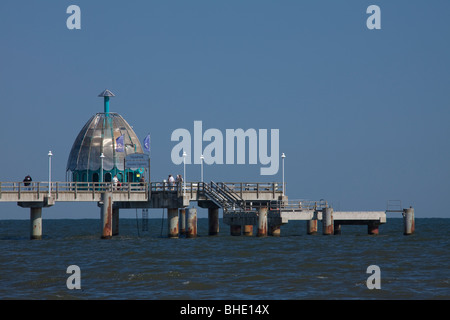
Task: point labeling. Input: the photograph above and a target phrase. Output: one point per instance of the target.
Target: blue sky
(363, 114)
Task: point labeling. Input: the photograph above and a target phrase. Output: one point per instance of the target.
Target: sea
(146, 264)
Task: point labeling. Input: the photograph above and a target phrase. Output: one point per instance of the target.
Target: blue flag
(147, 143)
(119, 144)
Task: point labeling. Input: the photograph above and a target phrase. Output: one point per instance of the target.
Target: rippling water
(293, 266)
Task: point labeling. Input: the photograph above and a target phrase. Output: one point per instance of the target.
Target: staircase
(222, 196)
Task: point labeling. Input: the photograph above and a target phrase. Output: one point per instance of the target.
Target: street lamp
(50, 173)
(184, 173)
(101, 171)
(201, 164)
(282, 167)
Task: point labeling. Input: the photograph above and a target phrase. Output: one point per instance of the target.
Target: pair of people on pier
(173, 182)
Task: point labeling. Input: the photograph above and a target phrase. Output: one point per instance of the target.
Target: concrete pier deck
(244, 204)
(282, 217)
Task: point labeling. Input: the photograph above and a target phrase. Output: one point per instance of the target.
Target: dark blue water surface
(146, 265)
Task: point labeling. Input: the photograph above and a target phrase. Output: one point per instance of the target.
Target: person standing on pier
(27, 181)
(171, 181)
(142, 182)
(179, 182)
(115, 182)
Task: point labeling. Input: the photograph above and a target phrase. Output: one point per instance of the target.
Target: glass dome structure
(109, 134)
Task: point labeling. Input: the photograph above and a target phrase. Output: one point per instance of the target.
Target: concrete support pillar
(262, 222)
(35, 223)
(213, 221)
(115, 221)
(235, 230)
(191, 224)
(248, 230)
(311, 226)
(372, 228)
(106, 213)
(327, 221)
(275, 230)
(172, 222)
(182, 221)
(408, 221)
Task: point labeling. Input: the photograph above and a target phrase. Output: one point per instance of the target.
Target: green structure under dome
(101, 146)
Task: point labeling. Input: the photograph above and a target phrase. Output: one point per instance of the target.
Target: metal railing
(235, 190)
(286, 205)
(218, 193)
(56, 188)
(239, 188)
(214, 195)
(299, 205)
(222, 196)
(258, 187)
(394, 206)
(188, 188)
(233, 200)
(227, 195)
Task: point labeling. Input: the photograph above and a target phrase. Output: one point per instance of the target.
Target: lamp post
(101, 167)
(50, 154)
(184, 173)
(282, 167)
(201, 168)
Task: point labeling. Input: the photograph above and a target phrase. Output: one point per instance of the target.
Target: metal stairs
(222, 196)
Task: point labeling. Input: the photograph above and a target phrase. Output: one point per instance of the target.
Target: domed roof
(99, 135)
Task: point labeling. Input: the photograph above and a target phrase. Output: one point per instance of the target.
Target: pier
(107, 165)
(248, 208)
